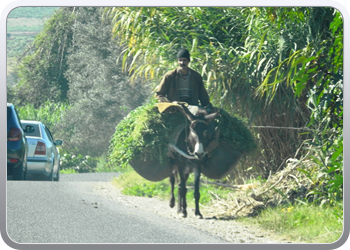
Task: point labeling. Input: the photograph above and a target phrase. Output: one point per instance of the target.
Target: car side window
(19, 120)
(49, 134)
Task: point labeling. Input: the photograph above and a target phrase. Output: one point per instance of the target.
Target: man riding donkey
(185, 85)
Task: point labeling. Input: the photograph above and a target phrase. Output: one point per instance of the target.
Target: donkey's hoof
(172, 203)
(182, 214)
(199, 216)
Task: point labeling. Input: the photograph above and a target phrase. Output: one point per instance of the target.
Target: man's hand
(209, 108)
(162, 99)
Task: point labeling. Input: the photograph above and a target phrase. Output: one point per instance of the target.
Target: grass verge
(308, 223)
(133, 184)
(68, 171)
(303, 222)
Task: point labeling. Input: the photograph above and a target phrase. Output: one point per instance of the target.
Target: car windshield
(36, 132)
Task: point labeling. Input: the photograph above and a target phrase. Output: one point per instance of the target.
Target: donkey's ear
(212, 116)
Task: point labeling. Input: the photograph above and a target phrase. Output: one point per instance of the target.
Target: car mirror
(58, 142)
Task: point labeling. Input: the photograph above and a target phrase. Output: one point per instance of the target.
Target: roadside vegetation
(305, 223)
(279, 69)
(299, 222)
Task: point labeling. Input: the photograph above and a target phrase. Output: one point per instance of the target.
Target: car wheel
(19, 173)
(25, 172)
(50, 177)
(57, 175)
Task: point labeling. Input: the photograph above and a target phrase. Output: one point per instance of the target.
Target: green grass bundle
(145, 134)
(235, 132)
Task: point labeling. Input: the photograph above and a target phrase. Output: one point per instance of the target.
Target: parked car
(17, 145)
(43, 154)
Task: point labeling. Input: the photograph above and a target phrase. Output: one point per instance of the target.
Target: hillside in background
(32, 12)
(23, 24)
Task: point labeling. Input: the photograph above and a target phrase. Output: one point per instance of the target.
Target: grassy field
(32, 12)
(24, 24)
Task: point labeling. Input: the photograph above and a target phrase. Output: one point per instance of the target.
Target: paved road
(70, 212)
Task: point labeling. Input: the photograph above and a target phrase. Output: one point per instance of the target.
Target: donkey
(190, 154)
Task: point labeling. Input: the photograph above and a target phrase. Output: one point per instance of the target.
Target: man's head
(183, 58)
(183, 53)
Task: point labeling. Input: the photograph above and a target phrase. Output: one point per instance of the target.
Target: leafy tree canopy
(100, 94)
(43, 65)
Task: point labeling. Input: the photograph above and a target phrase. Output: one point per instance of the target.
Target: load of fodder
(141, 139)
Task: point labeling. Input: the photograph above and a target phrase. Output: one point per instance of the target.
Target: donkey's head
(200, 133)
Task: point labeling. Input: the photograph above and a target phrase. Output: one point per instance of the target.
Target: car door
(54, 149)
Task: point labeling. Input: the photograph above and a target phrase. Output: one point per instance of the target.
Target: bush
(49, 113)
(80, 163)
(327, 177)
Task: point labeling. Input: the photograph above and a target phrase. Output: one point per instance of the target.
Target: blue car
(17, 145)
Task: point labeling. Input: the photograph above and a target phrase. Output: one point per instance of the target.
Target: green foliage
(326, 103)
(80, 163)
(315, 69)
(144, 131)
(68, 171)
(235, 131)
(71, 164)
(99, 93)
(261, 63)
(76, 51)
(103, 165)
(162, 31)
(327, 175)
(44, 63)
(133, 184)
(23, 24)
(303, 223)
(49, 113)
(278, 67)
(17, 45)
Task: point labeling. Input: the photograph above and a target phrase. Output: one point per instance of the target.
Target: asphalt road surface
(69, 211)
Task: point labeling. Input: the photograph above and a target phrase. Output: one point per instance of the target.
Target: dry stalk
(216, 196)
(223, 203)
(242, 203)
(237, 211)
(295, 178)
(237, 202)
(280, 179)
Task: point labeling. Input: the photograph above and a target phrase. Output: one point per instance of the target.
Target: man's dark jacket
(168, 89)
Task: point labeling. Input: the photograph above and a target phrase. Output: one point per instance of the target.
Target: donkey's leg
(182, 195)
(172, 183)
(197, 175)
(184, 202)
